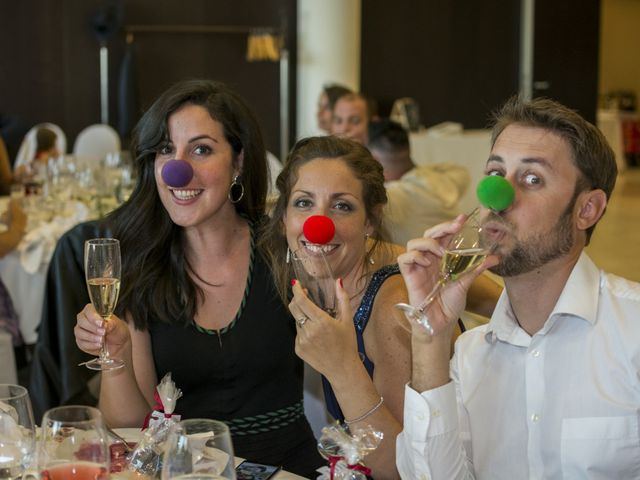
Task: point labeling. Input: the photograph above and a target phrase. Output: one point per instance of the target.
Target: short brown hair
(590, 151)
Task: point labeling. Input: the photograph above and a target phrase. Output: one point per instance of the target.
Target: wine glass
(314, 274)
(198, 449)
(102, 272)
(466, 250)
(74, 444)
(17, 431)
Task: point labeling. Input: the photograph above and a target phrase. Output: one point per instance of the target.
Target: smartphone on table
(255, 471)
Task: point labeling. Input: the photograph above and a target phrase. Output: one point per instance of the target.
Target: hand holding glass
(463, 253)
(102, 272)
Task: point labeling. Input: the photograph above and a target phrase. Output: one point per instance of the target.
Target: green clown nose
(495, 193)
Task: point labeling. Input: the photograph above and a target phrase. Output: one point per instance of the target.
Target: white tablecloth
(469, 148)
(26, 285)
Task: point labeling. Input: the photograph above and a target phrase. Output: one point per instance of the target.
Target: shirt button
(420, 417)
(535, 417)
(535, 353)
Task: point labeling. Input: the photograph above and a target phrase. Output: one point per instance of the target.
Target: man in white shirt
(418, 197)
(550, 388)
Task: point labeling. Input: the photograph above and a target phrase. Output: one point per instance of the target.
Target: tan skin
(328, 187)
(217, 243)
(16, 222)
(539, 165)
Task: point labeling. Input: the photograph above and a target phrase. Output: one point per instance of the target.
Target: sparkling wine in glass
(102, 272)
(198, 449)
(17, 431)
(74, 444)
(463, 253)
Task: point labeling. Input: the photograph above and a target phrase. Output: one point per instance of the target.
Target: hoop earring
(235, 185)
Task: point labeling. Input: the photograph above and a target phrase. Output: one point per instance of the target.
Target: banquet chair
(28, 147)
(96, 141)
(56, 379)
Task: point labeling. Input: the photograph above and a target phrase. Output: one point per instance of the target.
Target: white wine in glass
(463, 253)
(102, 271)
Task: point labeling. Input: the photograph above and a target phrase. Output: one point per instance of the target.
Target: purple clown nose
(177, 173)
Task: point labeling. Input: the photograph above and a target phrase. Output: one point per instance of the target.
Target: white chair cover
(28, 147)
(96, 141)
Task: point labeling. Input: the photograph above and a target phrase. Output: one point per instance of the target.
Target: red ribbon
(333, 462)
(157, 407)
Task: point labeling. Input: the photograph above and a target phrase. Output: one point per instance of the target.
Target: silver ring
(302, 320)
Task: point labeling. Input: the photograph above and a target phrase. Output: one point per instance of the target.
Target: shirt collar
(579, 298)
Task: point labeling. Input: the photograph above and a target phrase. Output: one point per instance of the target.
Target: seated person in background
(197, 297)
(5, 170)
(16, 222)
(550, 388)
(326, 103)
(351, 117)
(419, 196)
(45, 149)
(364, 358)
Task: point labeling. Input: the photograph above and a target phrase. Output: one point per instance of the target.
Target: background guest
(351, 117)
(326, 103)
(419, 196)
(45, 148)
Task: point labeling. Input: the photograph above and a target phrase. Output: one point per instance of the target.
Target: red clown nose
(319, 229)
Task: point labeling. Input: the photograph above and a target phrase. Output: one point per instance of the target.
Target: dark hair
(45, 139)
(155, 280)
(388, 135)
(590, 151)
(334, 92)
(365, 168)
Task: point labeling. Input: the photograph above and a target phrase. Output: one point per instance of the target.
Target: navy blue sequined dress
(360, 320)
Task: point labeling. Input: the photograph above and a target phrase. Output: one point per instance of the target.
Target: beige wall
(619, 46)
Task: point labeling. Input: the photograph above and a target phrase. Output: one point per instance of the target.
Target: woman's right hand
(91, 328)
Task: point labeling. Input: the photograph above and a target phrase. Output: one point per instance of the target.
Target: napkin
(37, 246)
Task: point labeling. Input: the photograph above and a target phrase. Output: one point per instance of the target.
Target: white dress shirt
(563, 404)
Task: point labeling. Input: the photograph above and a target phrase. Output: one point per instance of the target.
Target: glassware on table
(198, 449)
(314, 274)
(74, 444)
(102, 272)
(17, 431)
(466, 250)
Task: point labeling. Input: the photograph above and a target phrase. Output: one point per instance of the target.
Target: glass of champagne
(466, 250)
(102, 271)
(74, 444)
(198, 449)
(314, 274)
(17, 431)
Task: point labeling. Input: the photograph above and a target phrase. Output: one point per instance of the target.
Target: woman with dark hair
(364, 358)
(197, 297)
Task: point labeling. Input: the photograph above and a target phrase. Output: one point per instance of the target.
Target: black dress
(246, 375)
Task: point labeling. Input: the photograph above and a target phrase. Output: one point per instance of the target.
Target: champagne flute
(102, 272)
(17, 431)
(464, 253)
(314, 274)
(74, 444)
(198, 449)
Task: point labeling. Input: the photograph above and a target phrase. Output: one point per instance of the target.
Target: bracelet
(366, 414)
